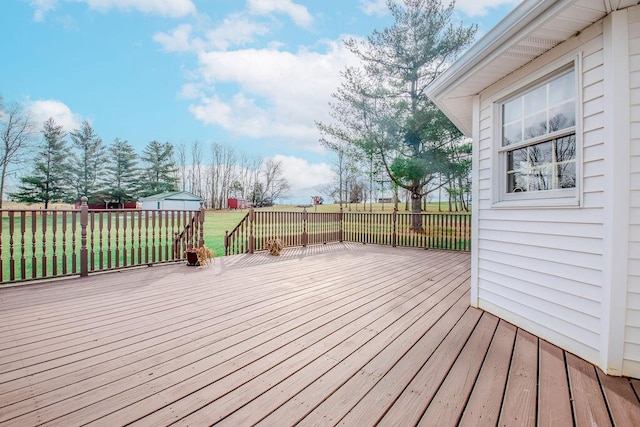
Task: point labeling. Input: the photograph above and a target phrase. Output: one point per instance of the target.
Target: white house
(551, 98)
(174, 200)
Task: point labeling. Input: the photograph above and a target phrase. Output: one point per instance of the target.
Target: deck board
(485, 402)
(331, 334)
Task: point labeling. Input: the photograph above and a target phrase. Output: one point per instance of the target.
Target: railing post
(394, 218)
(252, 238)
(341, 225)
(226, 242)
(201, 219)
(305, 238)
(84, 219)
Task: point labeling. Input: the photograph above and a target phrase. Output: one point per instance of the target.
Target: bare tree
(17, 131)
(181, 154)
(275, 185)
(196, 168)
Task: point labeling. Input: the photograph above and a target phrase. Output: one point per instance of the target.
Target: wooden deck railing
(44, 244)
(439, 230)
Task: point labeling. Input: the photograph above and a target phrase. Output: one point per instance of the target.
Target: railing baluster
(12, 261)
(23, 263)
(117, 255)
(44, 243)
(140, 237)
(153, 236)
(92, 253)
(125, 252)
(34, 259)
(100, 241)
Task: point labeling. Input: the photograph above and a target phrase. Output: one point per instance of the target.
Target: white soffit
(533, 28)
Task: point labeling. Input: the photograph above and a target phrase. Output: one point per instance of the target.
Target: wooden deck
(336, 334)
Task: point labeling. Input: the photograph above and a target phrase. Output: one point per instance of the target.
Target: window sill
(558, 203)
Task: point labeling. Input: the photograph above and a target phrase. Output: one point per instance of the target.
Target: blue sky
(253, 74)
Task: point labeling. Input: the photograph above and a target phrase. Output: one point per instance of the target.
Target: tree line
(61, 167)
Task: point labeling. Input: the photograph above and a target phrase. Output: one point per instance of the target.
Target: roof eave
(497, 41)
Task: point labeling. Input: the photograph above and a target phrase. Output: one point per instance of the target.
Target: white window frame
(567, 197)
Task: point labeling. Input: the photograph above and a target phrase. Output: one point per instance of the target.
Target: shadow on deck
(332, 334)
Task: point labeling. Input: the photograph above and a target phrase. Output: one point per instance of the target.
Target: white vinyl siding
(631, 354)
(541, 268)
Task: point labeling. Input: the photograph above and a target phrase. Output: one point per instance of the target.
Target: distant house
(174, 200)
(551, 98)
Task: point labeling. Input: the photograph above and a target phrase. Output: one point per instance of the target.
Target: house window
(538, 139)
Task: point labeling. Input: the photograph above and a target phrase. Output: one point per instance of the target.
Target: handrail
(45, 244)
(450, 231)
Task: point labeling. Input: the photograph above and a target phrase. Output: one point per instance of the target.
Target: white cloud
(179, 40)
(480, 7)
(298, 13)
(279, 94)
(305, 179)
(41, 8)
(235, 30)
(170, 8)
(42, 110)
(470, 8)
(374, 7)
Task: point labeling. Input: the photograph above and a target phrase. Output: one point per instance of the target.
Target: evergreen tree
(49, 180)
(122, 177)
(383, 107)
(159, 172)
(89, 163)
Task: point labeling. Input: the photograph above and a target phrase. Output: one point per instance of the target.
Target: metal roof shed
(174, 200)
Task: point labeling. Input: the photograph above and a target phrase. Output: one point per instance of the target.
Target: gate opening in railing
(44, 244)
(450, 231)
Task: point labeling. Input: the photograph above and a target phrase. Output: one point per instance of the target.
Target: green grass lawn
(217, 222)
(30, 244)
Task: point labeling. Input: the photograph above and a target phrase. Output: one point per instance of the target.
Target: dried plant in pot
(274, 246)
(199, 255)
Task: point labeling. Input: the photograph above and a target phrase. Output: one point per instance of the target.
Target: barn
(173, 200)
(551, 99)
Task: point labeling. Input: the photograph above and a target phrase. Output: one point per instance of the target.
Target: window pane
(549, 165)
(566, 148)
(512, 110)
(562, 89)
(565, 152)
(540, 154)
(535, 126)
(562, 117)
(535, 101)
(517, 168)
(512, 134)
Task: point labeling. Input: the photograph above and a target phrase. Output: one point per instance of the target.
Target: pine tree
(159, 172)
(89, 163)
(49, 180)
(122, 175)
(381, 108)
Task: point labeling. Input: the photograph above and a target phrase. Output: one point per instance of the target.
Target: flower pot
(192, 258)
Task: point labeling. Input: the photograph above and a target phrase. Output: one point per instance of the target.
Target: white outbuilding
(174, 200)
(551, 99)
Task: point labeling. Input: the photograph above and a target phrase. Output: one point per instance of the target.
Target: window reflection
(548, 165)
(540, 111)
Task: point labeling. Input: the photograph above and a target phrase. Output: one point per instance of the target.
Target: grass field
(30, 245)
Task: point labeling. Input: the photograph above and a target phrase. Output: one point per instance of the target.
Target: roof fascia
(523, 19)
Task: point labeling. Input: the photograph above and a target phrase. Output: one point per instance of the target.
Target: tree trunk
(3, 175)
(416, 217)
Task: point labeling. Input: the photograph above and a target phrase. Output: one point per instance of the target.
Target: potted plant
(274, 246)
(199, 255)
